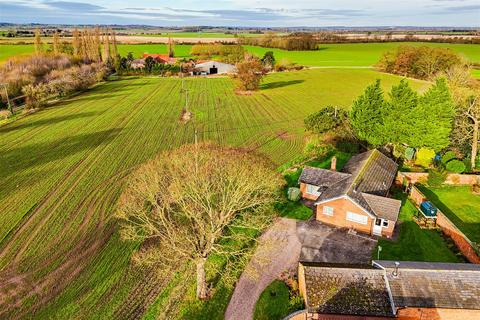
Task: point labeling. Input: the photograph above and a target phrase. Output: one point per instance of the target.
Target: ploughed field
(63, 168)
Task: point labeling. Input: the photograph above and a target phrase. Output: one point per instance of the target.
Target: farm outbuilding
(213, 67)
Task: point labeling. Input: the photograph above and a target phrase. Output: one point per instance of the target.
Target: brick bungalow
(355, 198)
(388, 289)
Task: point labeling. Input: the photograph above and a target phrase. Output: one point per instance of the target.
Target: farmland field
(62, 170)
(358, 54)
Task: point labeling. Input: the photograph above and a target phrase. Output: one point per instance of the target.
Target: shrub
(5, 114)
(436, 177)
(35, 95)
(424, 157)
(449, 155)
(455, 166)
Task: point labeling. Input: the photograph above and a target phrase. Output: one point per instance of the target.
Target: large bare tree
(196, 201)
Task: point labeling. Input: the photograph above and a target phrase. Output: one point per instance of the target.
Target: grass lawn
(273, 303)
(460, 205)
(415, 244)
(63, 168)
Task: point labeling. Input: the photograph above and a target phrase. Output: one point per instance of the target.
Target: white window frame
(328, 211)
(361, 220)
(313, 192)
(383, 223)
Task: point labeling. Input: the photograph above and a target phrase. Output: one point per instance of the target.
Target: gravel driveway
(279, 250)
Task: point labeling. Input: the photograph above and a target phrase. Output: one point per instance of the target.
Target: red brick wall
(452, 178)
(458, 237)
(303, 190)
(340, 208)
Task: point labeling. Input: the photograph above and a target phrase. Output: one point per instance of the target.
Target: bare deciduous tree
(197, 201)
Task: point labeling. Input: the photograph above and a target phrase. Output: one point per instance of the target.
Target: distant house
(356, 197)
(213, 67)
(161, 58)
(405, 290)
(137, 64)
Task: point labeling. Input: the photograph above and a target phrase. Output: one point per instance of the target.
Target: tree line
(294, 41)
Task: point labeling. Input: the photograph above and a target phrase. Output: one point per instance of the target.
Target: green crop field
(62, 170)
(357, 54)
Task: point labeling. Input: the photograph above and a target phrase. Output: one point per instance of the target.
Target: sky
(247, 13)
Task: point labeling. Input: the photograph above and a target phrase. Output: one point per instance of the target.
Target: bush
(455, 166)
(249, 74)
(436, 177)
(5, 114)
(424, 157)
(449, 155)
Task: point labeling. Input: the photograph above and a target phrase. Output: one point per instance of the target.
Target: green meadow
(342, 55)
(63, 168)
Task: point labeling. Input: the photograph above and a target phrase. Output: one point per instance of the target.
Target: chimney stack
(333, 164)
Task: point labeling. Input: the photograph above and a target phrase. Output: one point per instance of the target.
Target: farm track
(64, 257)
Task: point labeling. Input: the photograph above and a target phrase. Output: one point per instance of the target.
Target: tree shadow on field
(33, 155)
(280, 84)
(45, 122)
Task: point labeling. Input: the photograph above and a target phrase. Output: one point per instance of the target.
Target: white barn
(214, 67)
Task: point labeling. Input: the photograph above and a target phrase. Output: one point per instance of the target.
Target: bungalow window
(328, 211)
(313, 190)
(358, 218)
(385, 223)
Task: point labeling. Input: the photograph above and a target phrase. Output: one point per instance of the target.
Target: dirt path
(279, 250)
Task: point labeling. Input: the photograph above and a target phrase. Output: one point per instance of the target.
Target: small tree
(171, 47)
(38, 42)
(197, 201)
(326, 119)
(268, 59)
(149, 64)
(249, 74)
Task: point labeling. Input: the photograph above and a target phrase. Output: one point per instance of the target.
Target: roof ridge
(362, 170)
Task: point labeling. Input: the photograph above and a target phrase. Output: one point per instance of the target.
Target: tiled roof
(347, 291)
(385, 208)
(434, 285)
(321, 177)
(370, 173)
(354, 290)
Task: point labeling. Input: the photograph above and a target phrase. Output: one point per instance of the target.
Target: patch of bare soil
(185, 116)
(243, 92)
(284, 135)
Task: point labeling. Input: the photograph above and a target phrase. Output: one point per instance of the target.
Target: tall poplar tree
(76, 43)
(38, 42)
(56, 43)
(106, 47)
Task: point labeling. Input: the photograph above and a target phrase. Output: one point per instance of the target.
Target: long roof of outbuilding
(383, 289)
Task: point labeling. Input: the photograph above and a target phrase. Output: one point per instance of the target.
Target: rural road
(279, 250)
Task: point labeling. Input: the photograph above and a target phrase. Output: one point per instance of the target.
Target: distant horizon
(393, 27)
(246, 13)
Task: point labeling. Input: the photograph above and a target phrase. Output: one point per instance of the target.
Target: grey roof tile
(347, 291)
(434, 285)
